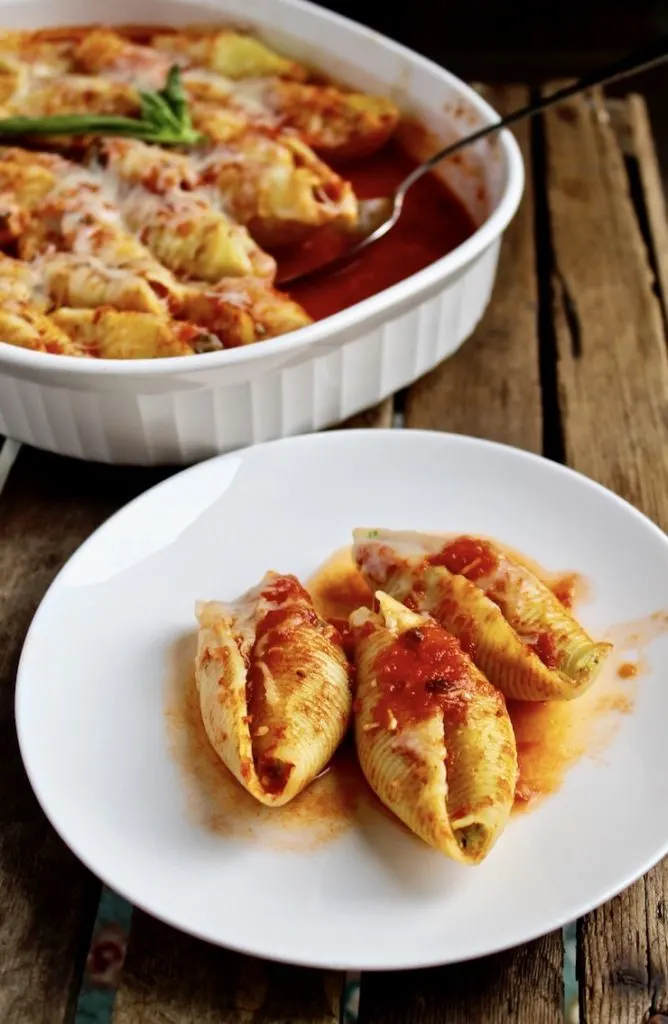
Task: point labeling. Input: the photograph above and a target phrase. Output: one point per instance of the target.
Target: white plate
(92, 695)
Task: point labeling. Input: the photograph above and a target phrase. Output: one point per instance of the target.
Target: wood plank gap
(629, 120)
(638, 199)
(553, 439)
(113, 918)
(647, 190)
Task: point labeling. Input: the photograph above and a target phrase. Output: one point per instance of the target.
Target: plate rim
(400, 963)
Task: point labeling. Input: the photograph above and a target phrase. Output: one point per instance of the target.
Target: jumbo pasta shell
(515, 629)
(433, 736)
(274, 687)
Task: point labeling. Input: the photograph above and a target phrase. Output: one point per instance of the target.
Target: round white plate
(98, 745)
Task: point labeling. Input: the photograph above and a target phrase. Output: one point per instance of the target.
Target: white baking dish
(183, 409)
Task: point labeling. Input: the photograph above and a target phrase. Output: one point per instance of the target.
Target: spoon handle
(650, 55)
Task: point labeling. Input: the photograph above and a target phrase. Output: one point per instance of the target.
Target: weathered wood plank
(613, 384)
(520, 986)
(612, 367)
(47, 899)
(490, 388)
(170, 978)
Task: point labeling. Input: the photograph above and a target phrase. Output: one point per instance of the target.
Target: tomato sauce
(433, 223)
(422, 670)
(467, 556)
(285, 626)
(545, 646)
(565, 589)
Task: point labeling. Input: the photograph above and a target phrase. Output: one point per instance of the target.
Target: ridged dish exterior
(184, 417)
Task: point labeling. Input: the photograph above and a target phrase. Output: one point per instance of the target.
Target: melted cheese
(158, 232)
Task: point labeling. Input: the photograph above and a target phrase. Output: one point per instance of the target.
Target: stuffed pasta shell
(515, 629)
(21, 189)
(50, 207)
(227, 53)
(107, 333)
(23, 320)
(29, 95)
(25, 325)
(277, 187)
(193, 239)
(183, 229)
(76, 280)
(222, 111)
(433, 736)
(242, 311)
(274, 687)
(224, 123)
(337, 125)
(31, 50)
(105, 52)
(131, 162)
(21, 281)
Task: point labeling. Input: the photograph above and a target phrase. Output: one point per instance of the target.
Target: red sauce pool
(432, 224)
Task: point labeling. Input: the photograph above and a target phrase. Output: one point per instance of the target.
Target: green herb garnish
(164, 119)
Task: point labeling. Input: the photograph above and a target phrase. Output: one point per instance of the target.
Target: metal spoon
(378, 216)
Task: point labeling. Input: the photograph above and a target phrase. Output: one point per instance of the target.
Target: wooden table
(570, 360)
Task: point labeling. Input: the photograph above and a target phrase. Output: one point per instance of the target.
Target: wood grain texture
(490, 388)
(520, 986)
(613, 384)
(170, 978)
(47, 899)
(612, 366)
